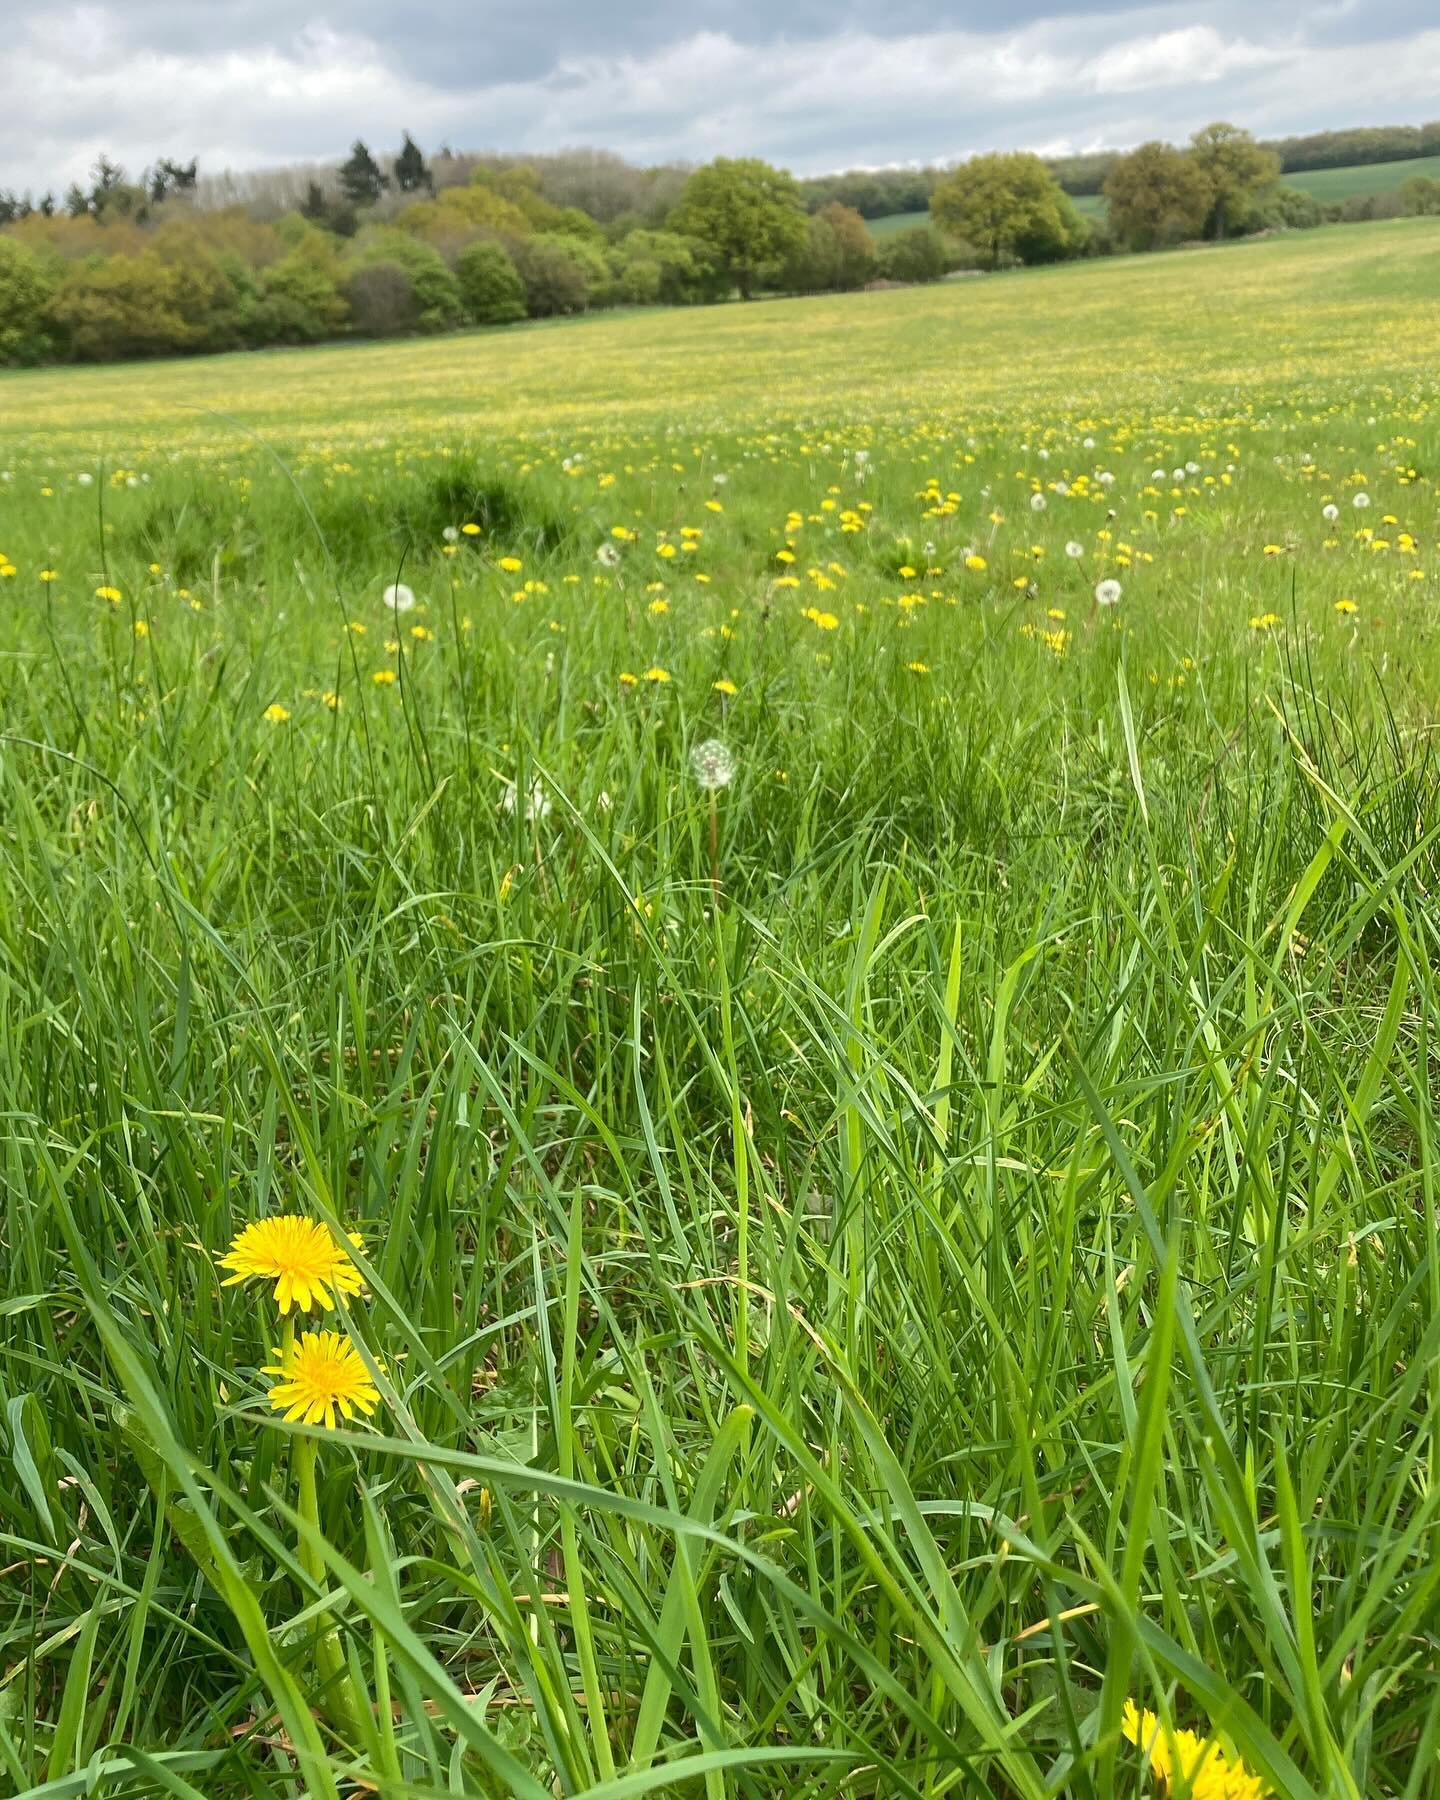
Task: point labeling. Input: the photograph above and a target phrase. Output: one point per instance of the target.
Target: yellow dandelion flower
(512, 565)
(627, 679)
(112, 594)
(1346, 606)
(918, 668)
(975, 562)
(1187, 1764)
(725, 687)
(471, 529)
(276, 713)
(657, 674)
(322, 1380)
(301, 1256)
(49, 575)
(383, 677)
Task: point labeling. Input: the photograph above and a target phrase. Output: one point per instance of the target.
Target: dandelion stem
(714, 847)
(338, 1697)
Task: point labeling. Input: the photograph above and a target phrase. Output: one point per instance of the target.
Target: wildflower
(713, 764)
(451, 534)
(975, 562)
(537, 803)
(383, 677)
(49, 575)
(301, 1256)
(321, 1379)
(627, 679)
(470, 529)
(1346, 606)
(608, 556)
(1037, 503)
(112, 594)
(657, 674)
(512, 565)
(276, 713)
(422, 634)
(1330, 513)
(1264, 621)
(1107, 593)
(398, 597)
(1187, 1764)
(1361, 500)
(728, 688)
(918, 668)
(1074, 551)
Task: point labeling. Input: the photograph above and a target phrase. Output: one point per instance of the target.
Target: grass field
(1329, 186)
(880, 1243)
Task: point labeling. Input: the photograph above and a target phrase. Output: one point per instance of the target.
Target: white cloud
(76, 82)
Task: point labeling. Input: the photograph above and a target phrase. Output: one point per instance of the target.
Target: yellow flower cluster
(1189, 1765)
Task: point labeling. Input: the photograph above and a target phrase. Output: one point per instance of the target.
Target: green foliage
(361, 177)
(25, 291)
(1158, 196)
(664, 267)
(917, 254)
(411, 173)
(299, 301)
(560, 275)
(1420, 196)
(1239, 172)
(124, 306)
(747, 212)
(1009, 206)
(490, 285)
(438, 302)
(381, 300)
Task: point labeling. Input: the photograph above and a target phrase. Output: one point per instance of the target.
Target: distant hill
(1329, 186)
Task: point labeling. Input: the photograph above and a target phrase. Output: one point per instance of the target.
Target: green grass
(1331, 185)
(846, 1315)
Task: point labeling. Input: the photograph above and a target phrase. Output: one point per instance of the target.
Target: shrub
(146, 306)
(561, 275)
(299, 302)
(916, 254)
(382, 300)
(25, 291)
(490, 285)
(438, 306)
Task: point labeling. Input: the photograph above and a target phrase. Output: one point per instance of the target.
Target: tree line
(173, 262)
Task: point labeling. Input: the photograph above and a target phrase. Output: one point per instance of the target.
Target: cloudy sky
(814, 84)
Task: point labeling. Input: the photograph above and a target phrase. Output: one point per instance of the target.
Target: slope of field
(821, 916)
(1329, 186)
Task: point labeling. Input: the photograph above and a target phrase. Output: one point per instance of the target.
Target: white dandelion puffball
(398, 597)
(1087, 443)
(537, 802)
(85, 478)
(1107, 593)
(451, 534)
(1330, 513)
(1362, 500)
(1037, 503)
(713, 765)
(608, 556)
(1157, 474)
(1074, 550)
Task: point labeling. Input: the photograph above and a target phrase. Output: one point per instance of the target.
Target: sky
(815, 85)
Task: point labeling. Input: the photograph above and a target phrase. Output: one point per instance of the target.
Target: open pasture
(880, 1243)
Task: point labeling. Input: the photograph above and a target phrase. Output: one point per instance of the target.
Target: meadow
(823, 912)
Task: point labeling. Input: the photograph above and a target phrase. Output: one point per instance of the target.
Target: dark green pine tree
(411, 172)
(361, 176)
